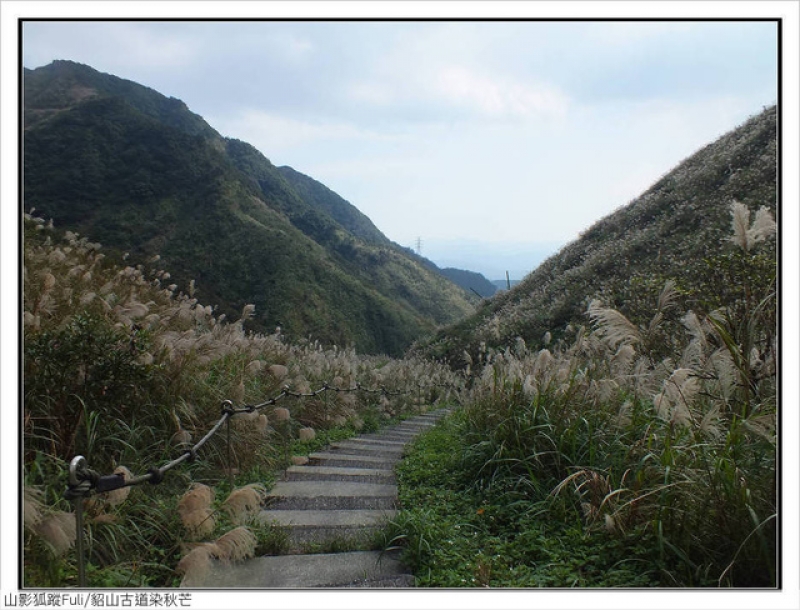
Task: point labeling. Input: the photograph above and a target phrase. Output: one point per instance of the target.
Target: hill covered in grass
(678, 229)
(620, 428)
(143, 175)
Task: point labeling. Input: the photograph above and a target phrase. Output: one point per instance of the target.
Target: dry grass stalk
(255, 367)
(196, 564)
(104, 518)
(33, 507)
(118, 496)
(57, 530)
(236, 545)
(278, 371)
(614, 327)
(746, 235)
(245, 502)
(199, 523)
(194, 508)
(198, 496)
(182, 438)
(306, 434)
(281, 414)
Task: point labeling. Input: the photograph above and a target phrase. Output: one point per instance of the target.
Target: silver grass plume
(199, 523)
(33, 507)
(673, 402)
(763, 426)
(710, 424)
(236, 545)
(255, 367)
(118, 496)
(763, 226)
(746, 235)
(695, 327)
(58, 531)
(740, 223)
(694, 354)
(306, 434)
(614, 327)
(196, 565)
(244, 503)
(725, 371)
(623, 359)
(194, 509)
(667, 296)
(197, 496)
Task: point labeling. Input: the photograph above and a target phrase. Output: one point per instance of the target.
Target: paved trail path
(345, 493)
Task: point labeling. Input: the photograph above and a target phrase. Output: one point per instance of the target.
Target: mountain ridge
(140, 173)
(678, 229)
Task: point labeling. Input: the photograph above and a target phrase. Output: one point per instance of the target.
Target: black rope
(84, 481)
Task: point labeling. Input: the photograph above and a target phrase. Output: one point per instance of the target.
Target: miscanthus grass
(658, 435)
(124, 366)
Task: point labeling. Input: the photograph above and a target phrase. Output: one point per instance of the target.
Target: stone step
(334, 473)
(414, 426)
(343, 495)
(400, 436)
(357, 448)
(330, 495)
(416, 433)
(388, 582)
(425, 417)
(307, 528)
(325, 518)
(309, 571)
(397, 439)
(389, 443)
(329, 458)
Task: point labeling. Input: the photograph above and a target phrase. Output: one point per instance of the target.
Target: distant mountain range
(679, 229)
(140, 173)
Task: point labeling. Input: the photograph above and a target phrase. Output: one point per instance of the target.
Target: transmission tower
(419, 246)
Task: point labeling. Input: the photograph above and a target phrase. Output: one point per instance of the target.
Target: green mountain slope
(342, 211)
(470, 280)
(678, 229)
(139, 173)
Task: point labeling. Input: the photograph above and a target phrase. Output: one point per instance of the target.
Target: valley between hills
(610, 421)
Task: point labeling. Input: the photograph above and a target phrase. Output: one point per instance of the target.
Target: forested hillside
(138, 172)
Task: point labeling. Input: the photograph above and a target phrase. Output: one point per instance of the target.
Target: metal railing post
(78, 488)
(230, 456)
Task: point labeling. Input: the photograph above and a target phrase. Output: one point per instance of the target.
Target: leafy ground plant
(453, 534)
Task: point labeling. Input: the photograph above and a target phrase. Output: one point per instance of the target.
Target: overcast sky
(495, 143)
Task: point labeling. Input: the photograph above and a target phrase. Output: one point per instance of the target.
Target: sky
(492, 143)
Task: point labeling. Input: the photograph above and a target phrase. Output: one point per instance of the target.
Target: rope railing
(83, 481)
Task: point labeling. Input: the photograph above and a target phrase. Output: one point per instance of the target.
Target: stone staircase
(338, 500)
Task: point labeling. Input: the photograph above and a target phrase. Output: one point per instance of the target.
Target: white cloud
(497, 97)
(276, 134)
(128, 46)
(619, 34)
(145, 48)
(372, 93)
